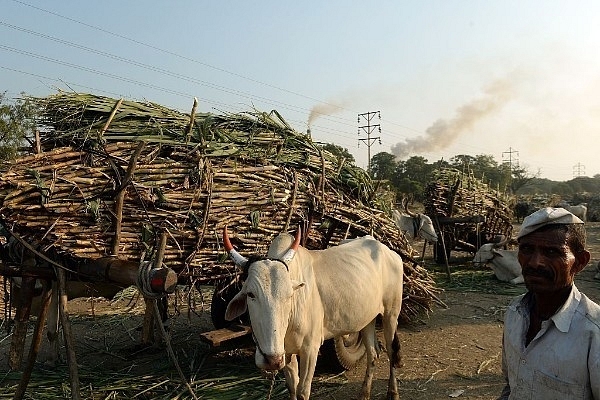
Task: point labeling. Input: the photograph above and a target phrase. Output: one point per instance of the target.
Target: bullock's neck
(413, 222)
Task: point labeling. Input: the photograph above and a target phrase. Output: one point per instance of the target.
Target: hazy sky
(512, 79)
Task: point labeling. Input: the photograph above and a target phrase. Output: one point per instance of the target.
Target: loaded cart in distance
(466, 212)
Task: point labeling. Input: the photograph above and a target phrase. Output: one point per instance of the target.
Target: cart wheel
(220, 299)
(343, 352)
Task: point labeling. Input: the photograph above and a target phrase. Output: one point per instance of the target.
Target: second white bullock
(297, 298)
(504, 263)
(580, 210)
(413, 224)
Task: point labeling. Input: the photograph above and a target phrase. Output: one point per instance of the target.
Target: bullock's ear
(236, 307)
(297, 284)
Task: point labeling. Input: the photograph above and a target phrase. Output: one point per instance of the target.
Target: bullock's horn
(237, 258)
(500, 241)
(289, 255)
(405, 204)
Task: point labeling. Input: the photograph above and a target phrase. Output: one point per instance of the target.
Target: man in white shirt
(551, 341)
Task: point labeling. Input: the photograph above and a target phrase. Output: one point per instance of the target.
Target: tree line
(411, 176)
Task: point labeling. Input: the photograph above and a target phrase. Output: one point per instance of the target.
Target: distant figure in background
(551, 341)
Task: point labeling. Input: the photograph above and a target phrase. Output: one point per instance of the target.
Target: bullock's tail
(396, 358)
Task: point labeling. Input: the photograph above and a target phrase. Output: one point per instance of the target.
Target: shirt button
(523, 362)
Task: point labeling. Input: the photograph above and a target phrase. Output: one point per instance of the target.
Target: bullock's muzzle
(267, 362)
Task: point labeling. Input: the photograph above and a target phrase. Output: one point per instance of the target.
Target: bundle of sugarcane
(453, 193)
(114, 176)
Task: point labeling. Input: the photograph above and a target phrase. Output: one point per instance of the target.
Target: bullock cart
(466, 212)
(144, 184)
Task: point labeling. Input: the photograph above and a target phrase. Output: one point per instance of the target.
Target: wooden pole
(111, 116)
(150, 318)
(120, 198)
(443, 247)
(17, 343)
(67, 334)
(38, 144)
(35, 342)
(106, 269)
(423, 253)
(188, 133)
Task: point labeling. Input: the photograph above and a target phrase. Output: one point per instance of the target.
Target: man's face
(547, 261)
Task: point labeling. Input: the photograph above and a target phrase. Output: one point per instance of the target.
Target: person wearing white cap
(551, 340)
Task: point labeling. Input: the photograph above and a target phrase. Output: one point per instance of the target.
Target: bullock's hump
(280, 245)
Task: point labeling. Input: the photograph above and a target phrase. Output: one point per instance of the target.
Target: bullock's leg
(306, 370)
(392, 345)
(369, 341)
(291, 374)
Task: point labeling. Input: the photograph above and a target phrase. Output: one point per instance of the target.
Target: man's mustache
(537, 272)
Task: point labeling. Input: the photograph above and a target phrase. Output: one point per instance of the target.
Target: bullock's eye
(251, 295)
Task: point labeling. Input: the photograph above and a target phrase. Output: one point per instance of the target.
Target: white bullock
(297, 298)
(580, 211)
(504, 263)
(413, 224)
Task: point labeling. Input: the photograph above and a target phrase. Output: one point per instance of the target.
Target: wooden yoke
(107, 269)
(125, 273)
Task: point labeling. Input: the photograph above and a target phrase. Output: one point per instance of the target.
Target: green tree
(521, 178)
(383, 166)
(17, 126)
(412, 176)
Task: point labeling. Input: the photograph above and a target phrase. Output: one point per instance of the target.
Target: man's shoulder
(591, 310)
(516, 301)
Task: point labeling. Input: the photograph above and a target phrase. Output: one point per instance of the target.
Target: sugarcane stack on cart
(466, 212)
(111, 184)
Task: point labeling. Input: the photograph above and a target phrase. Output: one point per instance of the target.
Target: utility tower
(507, 157)
(368, 129)
(578, 170)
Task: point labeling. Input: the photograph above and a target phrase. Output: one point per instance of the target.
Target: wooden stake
(120, 198)
(38, 144)
(111, 116)
(188, 132)
(35, 342)
(67, 334)
(150, 317)
(17, 343)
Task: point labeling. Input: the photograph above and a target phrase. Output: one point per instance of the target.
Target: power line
(171, 53)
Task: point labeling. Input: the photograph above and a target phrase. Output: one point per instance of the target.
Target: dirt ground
(455, 352)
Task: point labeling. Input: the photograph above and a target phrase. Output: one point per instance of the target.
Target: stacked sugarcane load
(110, 176)
(465, 207)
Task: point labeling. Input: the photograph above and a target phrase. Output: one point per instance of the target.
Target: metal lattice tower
(368, 129)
